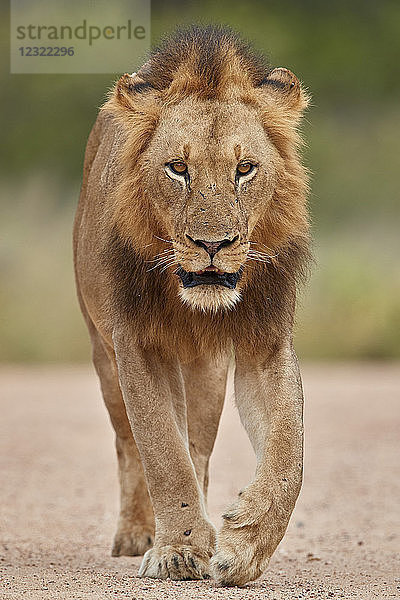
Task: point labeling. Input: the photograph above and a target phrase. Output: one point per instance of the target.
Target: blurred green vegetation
(347, 54)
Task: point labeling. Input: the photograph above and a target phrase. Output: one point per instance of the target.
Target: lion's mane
(210, 63)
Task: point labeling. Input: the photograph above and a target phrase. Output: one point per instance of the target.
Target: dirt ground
(59, 494)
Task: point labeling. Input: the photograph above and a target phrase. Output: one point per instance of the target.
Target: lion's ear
(128, 87)
(283, 87)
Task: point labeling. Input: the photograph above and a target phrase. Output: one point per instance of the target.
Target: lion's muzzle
(213, 247)
(192, 279)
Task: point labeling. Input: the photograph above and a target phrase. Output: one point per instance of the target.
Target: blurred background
(346, 53)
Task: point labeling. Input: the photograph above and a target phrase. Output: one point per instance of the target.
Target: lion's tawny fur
(206, 98)
(227, 71)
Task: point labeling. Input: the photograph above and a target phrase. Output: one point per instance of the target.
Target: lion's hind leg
(135, 532)
(205, 383)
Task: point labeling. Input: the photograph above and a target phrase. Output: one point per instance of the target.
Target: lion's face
(211, 171)
(210, 165)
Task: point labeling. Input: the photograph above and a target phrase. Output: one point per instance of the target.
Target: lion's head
(210, 181)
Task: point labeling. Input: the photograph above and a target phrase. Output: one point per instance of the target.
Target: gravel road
(59, 493)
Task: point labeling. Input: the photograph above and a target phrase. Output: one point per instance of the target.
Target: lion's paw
(236, 566)
(181, 562)
(134, 542)
(246, 541)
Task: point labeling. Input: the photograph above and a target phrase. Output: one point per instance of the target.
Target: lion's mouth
(209, 276)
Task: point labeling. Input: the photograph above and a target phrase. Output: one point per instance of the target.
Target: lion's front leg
(270, 402)
(153, 392)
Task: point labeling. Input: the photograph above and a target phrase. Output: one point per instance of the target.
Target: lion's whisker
(261, 260)
(262, 254)
(270, 254)
(164, 262)
(166, 251)
(259, 254)
(169, 265)
(162, 239)
(167, 254)
(159, 263)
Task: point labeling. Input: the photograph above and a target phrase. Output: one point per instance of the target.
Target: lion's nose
(213, 247)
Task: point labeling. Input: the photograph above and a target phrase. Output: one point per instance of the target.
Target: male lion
(190, 237)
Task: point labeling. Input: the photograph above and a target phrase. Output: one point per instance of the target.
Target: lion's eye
(244, 168)
(178, 167)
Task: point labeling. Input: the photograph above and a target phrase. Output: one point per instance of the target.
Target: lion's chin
(209, 298)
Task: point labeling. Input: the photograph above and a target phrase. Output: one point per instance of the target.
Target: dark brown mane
(190, 239)
(148, 300)
(208, 62)
(206, 53)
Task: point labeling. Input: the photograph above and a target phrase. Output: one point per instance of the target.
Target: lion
(191, 237)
